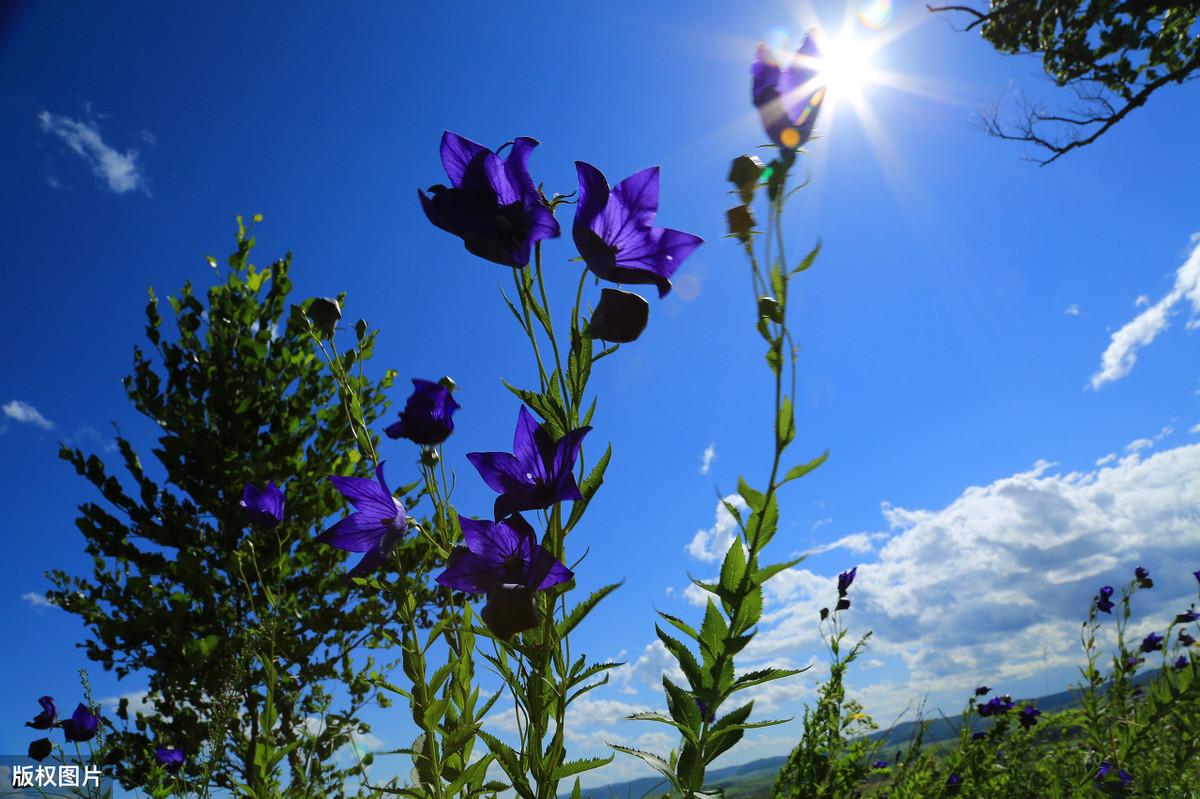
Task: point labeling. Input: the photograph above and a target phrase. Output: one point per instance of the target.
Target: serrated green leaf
(573, 767)
(712, 634)
(685, 658)
(785, 423)
(733, 568)
(754, 499)
(580, 611)
(681, 625)
(767, 572)
(804, 468)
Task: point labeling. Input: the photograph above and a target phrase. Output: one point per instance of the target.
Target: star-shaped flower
(615, 234)
(81, 726)
(169, 757)
(538, 472)
(492, 204)
(788, 95)
(375, 527)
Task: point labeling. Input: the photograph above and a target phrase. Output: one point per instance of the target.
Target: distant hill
(754, 779)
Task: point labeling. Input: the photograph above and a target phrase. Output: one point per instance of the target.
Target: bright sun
(845, 67)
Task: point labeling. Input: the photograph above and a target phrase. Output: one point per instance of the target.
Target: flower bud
(744, 173)
(620, 316)
(324, 312)
(448, 383)
(429, 457)
(740, 222)
(770, 308)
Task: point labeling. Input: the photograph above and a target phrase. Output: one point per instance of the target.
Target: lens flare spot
(687, 287)
(790, 138)
(875, 14)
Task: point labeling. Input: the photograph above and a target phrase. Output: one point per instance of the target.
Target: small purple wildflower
(1104, 602)
(978, 736)
(953, 781)
(982, 690)
(428, 416)
(492, 204)
(788, 96)
(1185, 639)
(170, 758)
(1143, 577)
(1181, 663)
(504, 561)
(375, 527)
(996, 706)
(879, 764)
(263, 508)
(1188, 616)
(1132, 662)
(81, 726)
(615, 234)
(845, 580)
(1105, 767)
(538, 472)
(44, 720)
(1028, 716)
(1152, 643)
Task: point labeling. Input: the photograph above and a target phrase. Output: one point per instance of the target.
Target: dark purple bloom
(1104, 602)
(982, 690)
(788, 96)
(504, 561)
(263, 508)
(1188, 616)
(81, 726)
(1028, 716)
(620, 317)
(40, 749)
(492, 204)
(1105, 767)
(878, 764)
(1152, 643)
(537, 474)
(169, 757)
(615, 234)
(705, 713)
(978, 736)
(1181, 663)
(427, 417)
(374, 528)
(44, 720)
(1132, 662)
(1185, 639)
(845, 580)
(1143, 577)
(996, 706)
(953, 780)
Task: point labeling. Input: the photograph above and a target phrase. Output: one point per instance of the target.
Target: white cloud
(1071, 310)
(1107, 459)
(711, 545)
(706, 460)
(854, 542)
(1120, 356)
(25, 413)
(37, 600)
(1194, 428)
(139, 702)
(119, 170)
(1142, 301)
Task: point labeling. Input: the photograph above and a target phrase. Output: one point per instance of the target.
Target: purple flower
(1188, 616)
(537, 474)
(169, 757)
(492, 205)
(620, 317)
(1181, 663)
(1143, 577)
(952, 781)
(374, 528)
(1104, 602)
(44, 720)
(788, 96)
(40, 749)
(1152, 643)
(982, 690)
(1028, 716)
(427, 417)
(504, 561)
(996, 706)
(1105, 767)
(879, 764)
(845, 580)
(615, 234)
(263, 508)
(81, 726)
(978, 736)
(705, 713)
(1132, 662)
(1185, 639)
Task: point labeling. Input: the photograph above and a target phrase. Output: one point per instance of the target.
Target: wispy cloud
(37, 600)
(706, 460)
(711, 545)
(119, 170)
(1072, 310)
(855, 542)
(25, 413)
(1120, 356)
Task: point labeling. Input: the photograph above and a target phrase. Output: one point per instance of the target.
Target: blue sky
(999, 356)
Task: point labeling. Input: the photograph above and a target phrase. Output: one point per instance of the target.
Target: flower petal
(457, 154)
(355, 533)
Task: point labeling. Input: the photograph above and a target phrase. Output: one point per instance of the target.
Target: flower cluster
(80, 727)
(996, 706)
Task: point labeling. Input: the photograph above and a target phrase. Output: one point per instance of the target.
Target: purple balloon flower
(996, 706)
(374, 528)
(1142, 575)
(845, 580)
(1185, 639)
(1188, 616)
(620, 317)
(44, 720)
(263, 508)
(427, 417)
(788, 96)
(1028, 716)
(537, 474)
(615, 234)
(1181, 663)
(81, 726)
(40, 749)
(1104, 603)
(504, 561)
(493, 204)
(1105, 767)
(982, 690)
(1152, 643)
(169, 757)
